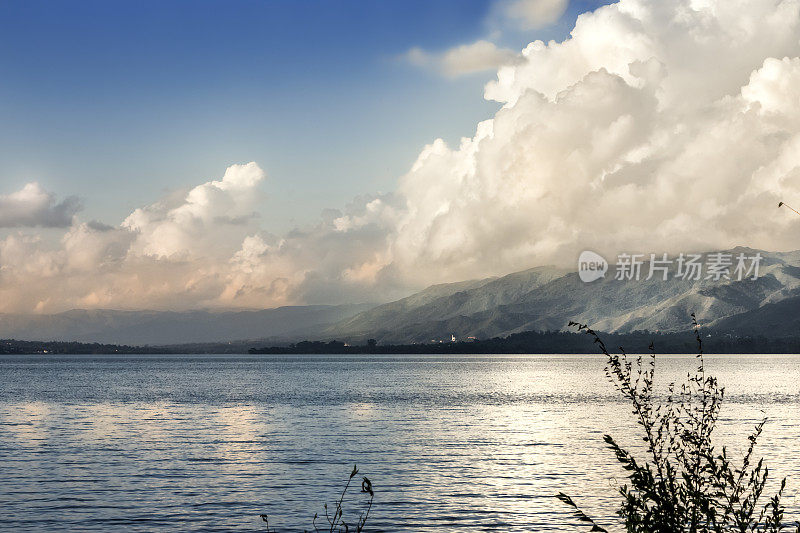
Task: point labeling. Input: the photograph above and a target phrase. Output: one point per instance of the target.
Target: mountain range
(547, 298)
(544, 298)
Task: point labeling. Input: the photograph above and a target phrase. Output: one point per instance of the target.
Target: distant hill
(547, 298)
(441, 304)
(167, 327)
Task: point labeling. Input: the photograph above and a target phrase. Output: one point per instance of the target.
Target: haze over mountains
(168, 327)
(541, 298)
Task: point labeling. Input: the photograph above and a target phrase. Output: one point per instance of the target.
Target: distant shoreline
(520, 343)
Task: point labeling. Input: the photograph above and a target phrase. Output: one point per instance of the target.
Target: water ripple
(459, 443)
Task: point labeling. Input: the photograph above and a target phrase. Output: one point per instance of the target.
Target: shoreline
(530, 342)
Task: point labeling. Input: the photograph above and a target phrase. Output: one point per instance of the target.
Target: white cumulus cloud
(34, 206)
(657, 124)
(202, 219)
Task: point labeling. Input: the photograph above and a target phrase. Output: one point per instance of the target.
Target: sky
(118, 102)
(180, 155)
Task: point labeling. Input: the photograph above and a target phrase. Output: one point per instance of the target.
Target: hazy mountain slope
(548, 298)
(164, 327)
(386, 313)
(447, 301)
(780, 319)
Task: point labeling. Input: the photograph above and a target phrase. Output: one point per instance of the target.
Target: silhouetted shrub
(335, 517)
(684, 484)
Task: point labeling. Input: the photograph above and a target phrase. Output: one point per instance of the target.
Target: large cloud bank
(658, 126)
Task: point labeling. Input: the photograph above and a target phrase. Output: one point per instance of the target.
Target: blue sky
(118, 102)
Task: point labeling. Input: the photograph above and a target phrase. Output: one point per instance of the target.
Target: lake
(451, 443)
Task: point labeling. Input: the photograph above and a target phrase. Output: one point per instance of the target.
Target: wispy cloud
(484, 54)
(529, 14)
(479, 56)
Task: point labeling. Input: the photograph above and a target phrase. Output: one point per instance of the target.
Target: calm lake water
(451, 443)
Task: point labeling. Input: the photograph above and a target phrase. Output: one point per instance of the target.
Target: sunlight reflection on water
(456, 443)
